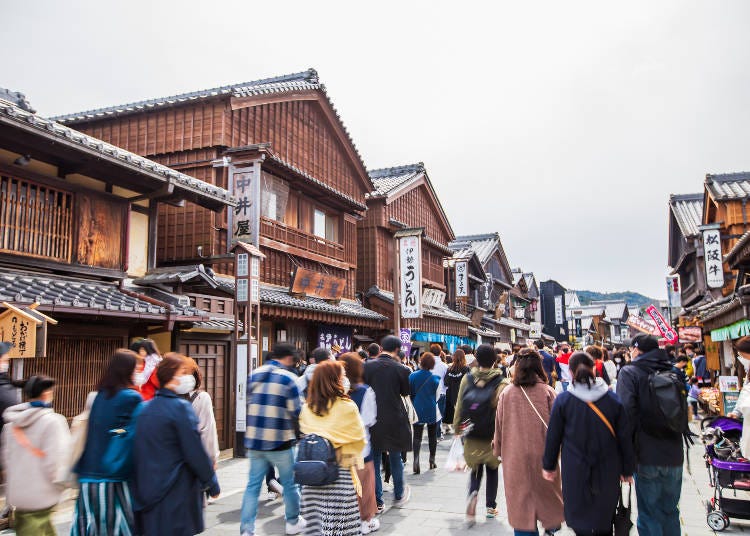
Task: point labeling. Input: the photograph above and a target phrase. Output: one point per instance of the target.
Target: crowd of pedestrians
(326, 434)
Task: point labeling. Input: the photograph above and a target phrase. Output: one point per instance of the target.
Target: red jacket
(148, 389)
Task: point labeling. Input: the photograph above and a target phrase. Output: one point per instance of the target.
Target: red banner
(667, 331)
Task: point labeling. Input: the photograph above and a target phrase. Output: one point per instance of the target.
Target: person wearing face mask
(10, 395)
(330, 413)
(35, 445)
(204, 410)
(172, 469)
(145, 379)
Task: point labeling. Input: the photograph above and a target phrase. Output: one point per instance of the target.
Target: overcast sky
(562, 125)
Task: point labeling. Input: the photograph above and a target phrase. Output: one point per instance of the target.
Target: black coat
(390, 381)
(452, 382)
(592, 459)
(632, 386)
(9, 395)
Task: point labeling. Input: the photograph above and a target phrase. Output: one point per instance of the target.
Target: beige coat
(519, 441)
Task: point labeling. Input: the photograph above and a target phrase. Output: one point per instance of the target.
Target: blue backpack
(316, 463)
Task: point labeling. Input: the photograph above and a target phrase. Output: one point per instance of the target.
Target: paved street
(436, 507)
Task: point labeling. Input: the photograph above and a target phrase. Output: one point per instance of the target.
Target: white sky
(562, 125)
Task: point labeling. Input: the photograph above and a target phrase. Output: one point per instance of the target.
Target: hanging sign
(245, 217)
(406, 341)
(642, 325)
(690, 334)
(462, 279)
(667, 331)
(712, 257)
(337, 339)
(558, 310)
(536, 330)
(433, 297)
(674, 293)
(320, 285)
(410, 259)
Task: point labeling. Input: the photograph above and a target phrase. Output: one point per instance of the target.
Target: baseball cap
(644, 342)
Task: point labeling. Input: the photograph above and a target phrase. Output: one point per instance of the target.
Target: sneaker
(492, 513)
(381, 507)
(400, 503)
(276, 487)
(551, 532)
(374, 524)
(365, 527)
(272, 496)
(298, 527)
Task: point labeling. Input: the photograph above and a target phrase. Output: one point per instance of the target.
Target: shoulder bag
(534, 408)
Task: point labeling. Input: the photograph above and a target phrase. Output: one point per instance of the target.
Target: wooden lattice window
(35, 219)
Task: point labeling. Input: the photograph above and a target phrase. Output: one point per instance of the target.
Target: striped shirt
(273, 406)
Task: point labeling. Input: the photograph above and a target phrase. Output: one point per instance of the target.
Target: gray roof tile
(427, 310)
(281, 298)
(51, 291)
(482, 244)
(688, 212)
(386, 180)
(727, 186)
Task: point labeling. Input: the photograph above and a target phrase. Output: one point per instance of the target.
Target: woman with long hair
(363, 395)
(172, 469)
(590, 425)
(597, 354)
(453, 377)
(330, 413)
(424, 386)
(523, 413)
(104, 504)
(204, 410)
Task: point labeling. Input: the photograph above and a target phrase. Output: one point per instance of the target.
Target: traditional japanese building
(616, 313)
(403, 198)
(78, 220)
(499, 287)
(685, 255)
(280, 146)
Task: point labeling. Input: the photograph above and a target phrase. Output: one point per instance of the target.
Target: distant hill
(633, 299)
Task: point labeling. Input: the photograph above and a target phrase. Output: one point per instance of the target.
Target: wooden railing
(35, 220)
(275, 230)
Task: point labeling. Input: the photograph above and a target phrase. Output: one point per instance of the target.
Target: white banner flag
(410, 253)
(462, 279)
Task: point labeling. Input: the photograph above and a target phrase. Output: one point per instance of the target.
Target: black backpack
(316, 463)
(476, 406)
(664, 411)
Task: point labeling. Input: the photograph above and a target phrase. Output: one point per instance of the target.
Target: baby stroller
(727, 470)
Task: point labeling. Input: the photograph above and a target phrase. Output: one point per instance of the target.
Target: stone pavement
(436, 507)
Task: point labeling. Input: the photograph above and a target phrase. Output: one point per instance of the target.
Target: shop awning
(732, 331)
(450, 341)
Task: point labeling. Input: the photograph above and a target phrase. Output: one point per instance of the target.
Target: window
(274, 194)
(242, 264)
(255, 267)
(242, 290)
(325, 225)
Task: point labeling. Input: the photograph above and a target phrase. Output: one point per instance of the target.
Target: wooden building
(311, 187)
(685, 255)
(403, 197)
(498, 318)
(78, 220)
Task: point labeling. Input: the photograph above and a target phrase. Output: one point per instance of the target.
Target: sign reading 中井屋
(320, 285)
(462, 279)
(410, 263)
(712, 258)
(245, 217)
(667, 331)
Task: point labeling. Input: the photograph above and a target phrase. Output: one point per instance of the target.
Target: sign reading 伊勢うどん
(410, 255)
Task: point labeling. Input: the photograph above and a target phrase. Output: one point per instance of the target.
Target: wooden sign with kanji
(22, 328)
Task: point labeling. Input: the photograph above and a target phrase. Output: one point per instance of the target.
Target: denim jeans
(397, 473)
(441, 407)
(657, 489)
(260, 462)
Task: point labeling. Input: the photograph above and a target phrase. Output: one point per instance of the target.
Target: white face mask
(745, 362)
(347, 384)
(187, 384)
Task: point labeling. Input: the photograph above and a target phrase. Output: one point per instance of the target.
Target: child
(693, 395)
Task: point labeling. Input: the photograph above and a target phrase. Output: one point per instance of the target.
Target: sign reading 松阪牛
(712, 258)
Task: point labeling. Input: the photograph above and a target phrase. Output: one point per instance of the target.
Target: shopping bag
(621, 521)
(455, 461)
(558, 388)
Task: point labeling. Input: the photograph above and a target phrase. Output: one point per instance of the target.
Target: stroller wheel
(717, 520)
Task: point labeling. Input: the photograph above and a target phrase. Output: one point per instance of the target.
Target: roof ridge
(728, 177)
(390, 171)
(484, 236)
(686, 197)
(310, 75)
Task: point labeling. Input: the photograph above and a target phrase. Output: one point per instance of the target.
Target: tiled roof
(688, 212)
(482, 244)
(88, 296)
(178, 274)
(614, 309)
(485, 332)
(13, 115)
(386, 180)
(281, 298)
(727, 186)
(216, 324)
(427, 310)
(302, 81)
(731, 257)
(509, 322)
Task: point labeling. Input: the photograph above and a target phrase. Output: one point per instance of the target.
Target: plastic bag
(455, 462)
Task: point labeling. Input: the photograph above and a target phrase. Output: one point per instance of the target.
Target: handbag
(621, 522)
(411, 413)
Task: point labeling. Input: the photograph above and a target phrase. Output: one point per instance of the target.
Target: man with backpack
(273, 408)
(474, 418)
(654, 398)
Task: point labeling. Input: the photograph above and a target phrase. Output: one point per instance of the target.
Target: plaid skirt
(332, 510)
(103, 509)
